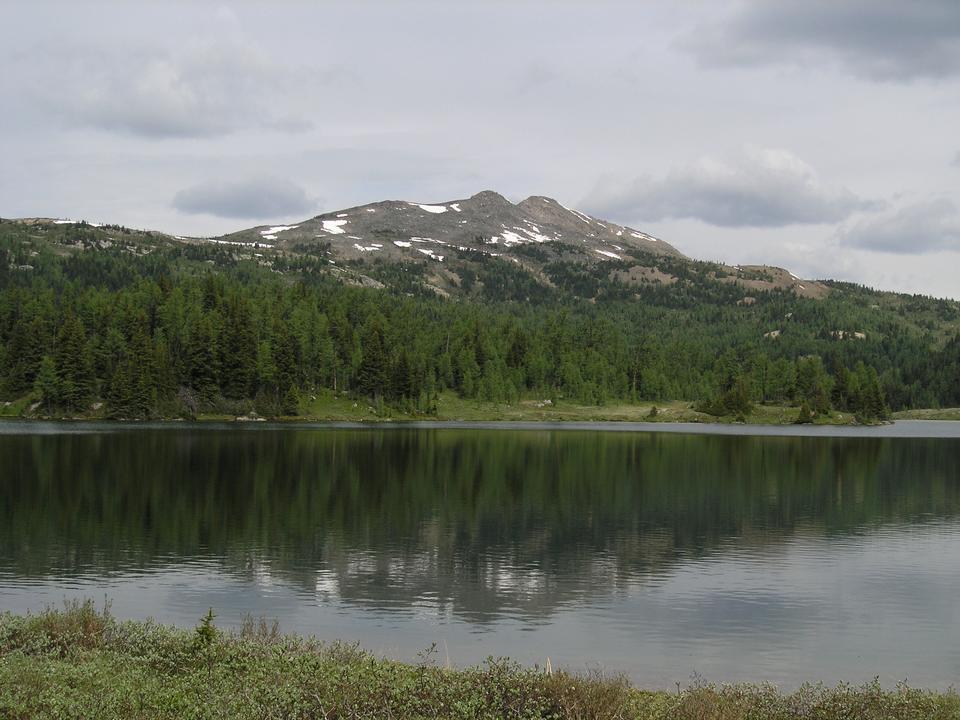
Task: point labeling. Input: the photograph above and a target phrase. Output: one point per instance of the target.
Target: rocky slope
(455, 247)
(447, 241)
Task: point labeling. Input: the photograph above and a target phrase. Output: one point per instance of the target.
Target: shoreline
(84, 659)
(898, 429)
(329, 408)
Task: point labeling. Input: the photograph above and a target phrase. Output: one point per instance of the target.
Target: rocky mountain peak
(489, 198)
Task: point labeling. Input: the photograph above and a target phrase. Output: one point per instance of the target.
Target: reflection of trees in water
(483, 521)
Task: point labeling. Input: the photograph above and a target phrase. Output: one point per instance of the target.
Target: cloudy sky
(816, 135)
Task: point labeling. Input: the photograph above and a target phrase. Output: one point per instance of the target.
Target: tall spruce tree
(74, 364)
(238, 350)
(372, 373)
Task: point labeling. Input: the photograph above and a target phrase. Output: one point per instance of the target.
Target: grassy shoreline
(329, 407)
(81, 662)
(928, 414)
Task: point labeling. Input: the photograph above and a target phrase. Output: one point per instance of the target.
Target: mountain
(480, 298)
(483, 246)
(452, 241)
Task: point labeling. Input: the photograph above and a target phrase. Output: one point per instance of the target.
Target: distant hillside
(396, 302)
(452, 243)
(460, 247)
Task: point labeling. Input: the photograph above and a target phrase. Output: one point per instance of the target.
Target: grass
(81, 662)
(939, 414)
(327, 406)
(14, 408)
(330, 407)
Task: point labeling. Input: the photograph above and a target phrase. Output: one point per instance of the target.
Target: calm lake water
(834, 556)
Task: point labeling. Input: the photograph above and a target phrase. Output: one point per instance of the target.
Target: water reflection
(685, 543)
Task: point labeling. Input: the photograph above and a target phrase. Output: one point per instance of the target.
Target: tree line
(168, 335)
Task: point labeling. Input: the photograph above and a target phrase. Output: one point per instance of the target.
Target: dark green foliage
(205, 634)
(47, 385)
(238, 349)
(25, 347)
(813, 384)
(372, 372)
(74, 366)
(200, 358)
(734, 401)
(162, 332)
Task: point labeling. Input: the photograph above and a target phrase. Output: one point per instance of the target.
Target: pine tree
(285, 373)
(401, 377)
(841, 394)
(238, 350)
(74, 365)
(372, 372)
(47, 385)
(23, 354)
(201, 359)
(814, 384)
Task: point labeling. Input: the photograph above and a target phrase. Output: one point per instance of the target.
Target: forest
(176, 330)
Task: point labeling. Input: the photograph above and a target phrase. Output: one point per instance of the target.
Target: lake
(797, 554)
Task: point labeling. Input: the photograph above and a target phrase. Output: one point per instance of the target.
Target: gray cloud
(204, 89)
(914, 229)
(754, 188)
(956, 159)
(265, 198)
(886, 40)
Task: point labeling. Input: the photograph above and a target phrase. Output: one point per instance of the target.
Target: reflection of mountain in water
(479, 522)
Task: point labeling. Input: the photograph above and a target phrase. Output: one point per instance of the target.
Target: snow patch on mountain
(429, 253)
(335, 227)
(435, 209)
(534, 233)
(76, 222)
(580, 215)
(277, 229)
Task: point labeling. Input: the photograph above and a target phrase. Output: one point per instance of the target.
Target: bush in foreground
(82, 663)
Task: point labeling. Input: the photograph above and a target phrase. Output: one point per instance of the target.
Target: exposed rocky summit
(487, 223)
(484, 242)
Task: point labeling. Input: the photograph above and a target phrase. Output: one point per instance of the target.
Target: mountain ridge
(271, 314)
(450, 245)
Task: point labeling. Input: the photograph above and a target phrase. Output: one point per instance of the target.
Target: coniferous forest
(152, 328)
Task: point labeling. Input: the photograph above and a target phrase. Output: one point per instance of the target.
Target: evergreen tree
(813, 383)
(47, 385)
(74, 363)
(134, 386)
(22, 355)
(201, 359)
(285, 373)
(238, 350)
(372, 373)
(401, 377)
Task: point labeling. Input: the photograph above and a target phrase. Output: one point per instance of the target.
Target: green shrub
(82, 663)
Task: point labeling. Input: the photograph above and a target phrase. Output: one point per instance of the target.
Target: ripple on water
(739, 558)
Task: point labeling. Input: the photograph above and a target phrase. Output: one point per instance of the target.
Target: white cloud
(918, 228)
(755, 187)
(263, 197)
